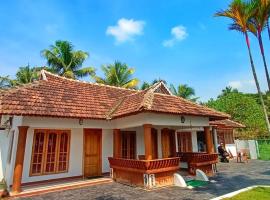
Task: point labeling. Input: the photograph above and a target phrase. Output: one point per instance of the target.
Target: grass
(259, 193)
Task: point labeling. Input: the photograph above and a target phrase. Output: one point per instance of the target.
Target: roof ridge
(114, 108)
(87, 82)
(147, 100)
(186, 100)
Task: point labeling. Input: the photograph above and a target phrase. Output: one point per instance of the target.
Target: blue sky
(176, 40)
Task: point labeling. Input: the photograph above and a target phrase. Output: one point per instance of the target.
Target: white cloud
(243, 85)
(178, 33)
(126, 29)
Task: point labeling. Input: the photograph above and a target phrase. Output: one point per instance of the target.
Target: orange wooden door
(128, 144)
(168, 143)
(184, 141)
(92, 152)
(154, 138)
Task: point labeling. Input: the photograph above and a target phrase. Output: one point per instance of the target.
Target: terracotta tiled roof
(56, 96)
(149, 101)
(226, 123)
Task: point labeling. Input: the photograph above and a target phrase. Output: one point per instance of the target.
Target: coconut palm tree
(118, 74)
(184, 91)
(227, 90)
(145, 85)
(240, 14)
(260, 14)
(27, 74)
(65, 61)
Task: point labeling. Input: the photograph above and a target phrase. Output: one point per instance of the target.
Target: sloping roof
(227, 123)
(55, 96)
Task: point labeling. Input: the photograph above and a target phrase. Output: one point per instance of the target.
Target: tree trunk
(264, 60)
(257, 83)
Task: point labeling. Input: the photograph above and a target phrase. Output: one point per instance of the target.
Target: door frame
(100, 150)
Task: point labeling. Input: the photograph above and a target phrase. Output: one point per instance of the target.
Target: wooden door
(92, 152)
(154, 137)
(168, 143)
(128, 144)
(184, 141)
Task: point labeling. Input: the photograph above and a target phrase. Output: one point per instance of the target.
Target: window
(50, 152)
(184, 141)
(225, 136)
(128, 144)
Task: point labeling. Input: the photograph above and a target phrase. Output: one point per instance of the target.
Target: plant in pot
(3, 189)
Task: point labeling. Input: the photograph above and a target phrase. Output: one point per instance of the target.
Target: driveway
(230, 177)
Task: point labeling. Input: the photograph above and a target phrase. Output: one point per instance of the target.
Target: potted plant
(3, 189)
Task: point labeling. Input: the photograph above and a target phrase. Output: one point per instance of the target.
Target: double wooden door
(184, 141)
(128, 146)
(92, 152)
(154, 138)
(168, 143)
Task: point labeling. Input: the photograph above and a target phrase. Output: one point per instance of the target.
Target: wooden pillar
(147, 141)
(209, 140)
(117, 143)
(18, 169)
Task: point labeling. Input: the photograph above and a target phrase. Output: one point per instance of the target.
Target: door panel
(92, 152)
(184, 141)
(128, 144)
(168, 143)
(154, 138)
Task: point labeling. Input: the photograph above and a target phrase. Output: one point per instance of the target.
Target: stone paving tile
(230, 177)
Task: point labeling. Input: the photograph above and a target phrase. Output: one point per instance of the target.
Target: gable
(161, 88)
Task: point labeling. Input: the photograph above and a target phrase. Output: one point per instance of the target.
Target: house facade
(59, 128)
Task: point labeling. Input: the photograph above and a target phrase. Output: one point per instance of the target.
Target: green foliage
(118, 74)
(244, 109)
(65, 61)
(24, 75)
(184, 91)
(264, 149)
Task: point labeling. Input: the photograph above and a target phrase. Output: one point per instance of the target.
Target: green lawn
(259, 193)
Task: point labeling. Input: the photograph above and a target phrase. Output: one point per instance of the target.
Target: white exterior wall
(107, 149)
(4, 140)
(76, 148)
(8, 173)
(75, 158)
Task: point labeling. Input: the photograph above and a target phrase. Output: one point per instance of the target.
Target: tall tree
(65, 61)
(227, 90)
(184, 91)
(242, 108)
(118, 74)
(240, 14)
(27, 74)
(260, 13)
(145, 85)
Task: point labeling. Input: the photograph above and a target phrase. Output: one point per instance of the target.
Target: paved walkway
(231, 177)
